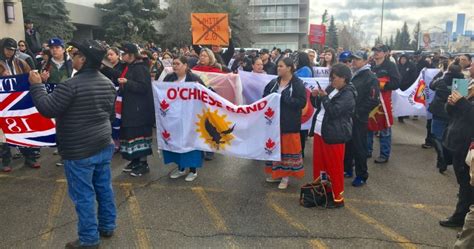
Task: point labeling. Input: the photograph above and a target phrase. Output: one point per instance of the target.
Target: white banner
(191, 117)
(254, 83)
(321, 72)
(415, 100)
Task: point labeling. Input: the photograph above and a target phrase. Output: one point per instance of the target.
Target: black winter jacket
(137, 97)
(337, 121)
(408, 73)
(460, 130)
(368, 94)
(114, 73)
(442, 88)
(84, 108)
(293, 100)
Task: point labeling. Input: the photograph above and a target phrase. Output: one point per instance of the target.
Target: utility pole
(381, 21)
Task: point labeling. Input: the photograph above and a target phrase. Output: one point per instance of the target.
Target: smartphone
(319, 86)
(461, 85)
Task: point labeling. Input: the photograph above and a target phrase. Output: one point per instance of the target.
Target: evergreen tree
(416, 36)
(50, 18)
(405, 37)
(398, 41)
(391, 42)
(130, 20)
(378, 40)
(331, 35)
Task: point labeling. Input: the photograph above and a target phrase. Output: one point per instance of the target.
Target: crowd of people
(90, 75)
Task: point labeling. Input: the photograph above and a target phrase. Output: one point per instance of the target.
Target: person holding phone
(457, 138)
(332, 128)
(442, 88)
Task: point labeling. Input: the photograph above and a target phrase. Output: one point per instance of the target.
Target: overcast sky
(429, 12)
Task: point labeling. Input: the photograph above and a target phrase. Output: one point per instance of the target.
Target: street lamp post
(381, 21)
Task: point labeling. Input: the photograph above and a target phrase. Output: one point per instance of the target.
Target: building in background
(449, 30)
(11, 19)
(86, 18)
(280, 23)
(460, 22)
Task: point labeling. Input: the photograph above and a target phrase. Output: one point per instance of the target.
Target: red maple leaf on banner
(164, 105)
(166, 135)
(270, 144)
(269, 113)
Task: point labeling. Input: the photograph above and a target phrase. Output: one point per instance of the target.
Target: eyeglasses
(21, 45)
(347, 61)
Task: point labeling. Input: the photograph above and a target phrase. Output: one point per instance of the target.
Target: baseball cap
(91, 49)
(10, 43)
(55, 42)
(361, 54)
(380, 47)
(129, 48)
(346, 55)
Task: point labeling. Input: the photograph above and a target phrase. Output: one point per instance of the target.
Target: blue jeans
(437, 128)
(385, 142)
(89, 180)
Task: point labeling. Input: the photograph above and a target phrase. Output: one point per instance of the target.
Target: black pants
(466, 191)
(429, 137)
(28, 153)
(356, 150)
(303, 137)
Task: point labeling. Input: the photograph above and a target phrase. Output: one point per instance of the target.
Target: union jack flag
(20, 121)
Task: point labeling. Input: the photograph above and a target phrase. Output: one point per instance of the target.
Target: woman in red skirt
(292, 101)
(333, 128)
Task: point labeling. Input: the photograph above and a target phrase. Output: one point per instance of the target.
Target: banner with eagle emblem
(189, 117)
(415, 100)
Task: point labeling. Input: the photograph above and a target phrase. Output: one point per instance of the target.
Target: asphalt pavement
(230, 205)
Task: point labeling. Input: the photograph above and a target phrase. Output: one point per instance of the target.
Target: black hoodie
(442, 88)
(407, 72)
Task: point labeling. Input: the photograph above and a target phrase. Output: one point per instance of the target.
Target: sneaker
(35, 165)
(7, 169)
(283, 183)
(140, 170)
(380, 160)
(60, 163)
(17, 156)
(358, 182)
(106, 234)
(348, 174)
(177, 174)
(426, 146)
(55, 152)
(77, 244)
(191, 177)
(271, 180)
(129, 167)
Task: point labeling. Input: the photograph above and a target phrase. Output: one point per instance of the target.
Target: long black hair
(303, 60)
